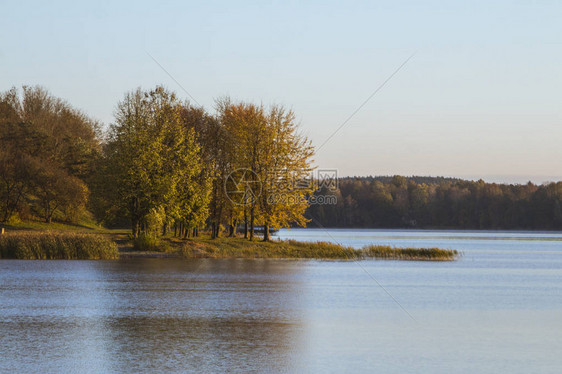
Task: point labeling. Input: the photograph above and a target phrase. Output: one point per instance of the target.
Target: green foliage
(154, 221)
(151, 158)
(56, 245)
(146, 242)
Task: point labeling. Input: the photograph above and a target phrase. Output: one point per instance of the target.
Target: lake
(496, 310)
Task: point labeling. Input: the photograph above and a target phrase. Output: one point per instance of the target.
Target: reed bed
(49, 245)
(385, 252)
(240, 248)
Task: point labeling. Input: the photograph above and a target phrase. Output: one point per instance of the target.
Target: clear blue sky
(482, 97)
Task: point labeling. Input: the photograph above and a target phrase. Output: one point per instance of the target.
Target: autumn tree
(211, 135)
(244, 125)
(46, 153)
(268, 145)
(285, 171)
(152, 157)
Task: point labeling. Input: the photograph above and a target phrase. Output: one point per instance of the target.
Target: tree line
(159, 168)
(423, 202)
(166, 167)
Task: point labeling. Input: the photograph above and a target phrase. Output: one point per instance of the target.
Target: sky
(480, 98)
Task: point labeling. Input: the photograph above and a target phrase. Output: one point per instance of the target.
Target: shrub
(147, 242)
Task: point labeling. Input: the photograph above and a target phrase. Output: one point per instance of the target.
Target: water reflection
(160, 315)
(495, 310)
(200, 344)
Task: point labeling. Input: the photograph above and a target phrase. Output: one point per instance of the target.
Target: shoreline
(99, 243)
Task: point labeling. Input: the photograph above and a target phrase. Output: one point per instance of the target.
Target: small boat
(258, 229)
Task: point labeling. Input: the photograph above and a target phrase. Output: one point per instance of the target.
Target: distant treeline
(424, 202)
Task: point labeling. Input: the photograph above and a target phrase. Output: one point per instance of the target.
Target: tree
(268, 145)
(56, 191)
(244, 125)
(209, 194)
(151, 156)
(46, 153)
(285, 171)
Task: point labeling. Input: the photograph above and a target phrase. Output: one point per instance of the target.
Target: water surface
(498, 309)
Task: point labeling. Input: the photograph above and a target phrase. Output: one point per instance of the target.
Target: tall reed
(240, 248)
(50, 245)
(386, 252)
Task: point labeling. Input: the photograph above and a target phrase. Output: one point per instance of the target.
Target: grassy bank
(240, 248)
(83, 242)
(50, 245)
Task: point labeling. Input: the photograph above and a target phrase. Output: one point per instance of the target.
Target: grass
(83, 226)
(413, 254)
(50, 245)
(94, 242)
(240, 248)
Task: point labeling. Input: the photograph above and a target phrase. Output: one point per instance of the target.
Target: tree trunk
(233, 228)
(219, 219)
(252, 224)
(266, 232)
(245, 223)
(134, 227)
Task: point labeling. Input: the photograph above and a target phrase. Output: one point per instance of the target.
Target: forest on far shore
(426, 202)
